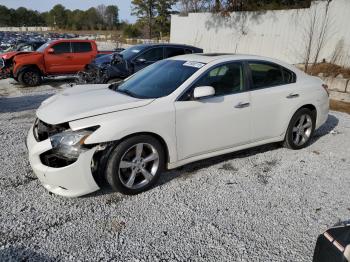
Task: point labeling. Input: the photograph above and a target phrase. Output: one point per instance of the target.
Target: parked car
(174, 112)
(119, 65)
(58, 57)
(334, 244)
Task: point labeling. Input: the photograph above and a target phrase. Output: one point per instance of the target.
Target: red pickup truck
(58, 57)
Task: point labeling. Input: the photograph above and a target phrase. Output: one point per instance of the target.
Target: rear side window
(288, 76)
(61, 48)
(266, 74)
(174, 51)
(81, 47)
(188, 51)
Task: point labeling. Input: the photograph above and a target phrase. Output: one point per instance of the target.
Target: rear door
(274, 94)
(83, 53)
(148, 57)
(60, 61)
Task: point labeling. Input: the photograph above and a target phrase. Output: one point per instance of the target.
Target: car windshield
(157, 80)
(42, 48)
(130, 52)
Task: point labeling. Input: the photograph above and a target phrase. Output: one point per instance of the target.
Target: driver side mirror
(203, 92)
(51, 51)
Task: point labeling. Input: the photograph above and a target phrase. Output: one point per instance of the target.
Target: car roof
(165, 44)
(207, 58)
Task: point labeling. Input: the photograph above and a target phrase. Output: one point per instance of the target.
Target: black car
(118, 66)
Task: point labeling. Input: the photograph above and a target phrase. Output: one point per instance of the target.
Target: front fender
(118, 125)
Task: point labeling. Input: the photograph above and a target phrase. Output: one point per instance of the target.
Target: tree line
(153, 16)
(96, 18)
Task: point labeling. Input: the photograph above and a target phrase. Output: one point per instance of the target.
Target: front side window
(265, 74)
(61, 48)
(153, 55)
(81, 47)
(226, 79)
(157, 80)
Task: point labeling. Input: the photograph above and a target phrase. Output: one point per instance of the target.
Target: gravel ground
(261, 204)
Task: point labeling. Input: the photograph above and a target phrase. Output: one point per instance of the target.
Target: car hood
(11, 54)
(85, 101)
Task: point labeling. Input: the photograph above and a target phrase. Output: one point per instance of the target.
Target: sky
(45, 5)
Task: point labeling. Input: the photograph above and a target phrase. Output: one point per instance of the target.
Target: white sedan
(173, 112)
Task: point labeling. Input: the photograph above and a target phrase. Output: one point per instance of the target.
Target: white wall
(25, 29)
(278, 34)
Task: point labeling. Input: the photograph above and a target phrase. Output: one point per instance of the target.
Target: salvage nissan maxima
(174, 112)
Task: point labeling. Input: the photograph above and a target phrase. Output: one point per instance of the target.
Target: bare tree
(317, 31)
(323, 32)
(195, 6)
(310, 38)
(337, 56)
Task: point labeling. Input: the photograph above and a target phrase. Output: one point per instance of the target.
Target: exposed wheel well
(311, 107)
(35, 67)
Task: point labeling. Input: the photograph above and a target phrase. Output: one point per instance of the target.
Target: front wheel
(300, 129)
(30, 77)
(135, 164)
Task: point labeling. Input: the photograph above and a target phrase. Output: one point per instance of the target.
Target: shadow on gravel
(22, 254)
(57, 82)
(183, 172)
(191, 168)
(21, 103)
(326, 128)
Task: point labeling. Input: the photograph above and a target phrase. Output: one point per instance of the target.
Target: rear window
(81, 47)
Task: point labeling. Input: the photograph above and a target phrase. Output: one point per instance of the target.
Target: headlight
(70, 143)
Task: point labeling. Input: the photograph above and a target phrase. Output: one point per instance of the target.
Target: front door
(218, 122)
(59, 62)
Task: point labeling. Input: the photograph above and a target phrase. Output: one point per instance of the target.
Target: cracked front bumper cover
(70, 181)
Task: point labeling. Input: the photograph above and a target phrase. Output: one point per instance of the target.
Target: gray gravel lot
(261, 204)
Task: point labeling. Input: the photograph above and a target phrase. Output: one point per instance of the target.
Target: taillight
(325, 87)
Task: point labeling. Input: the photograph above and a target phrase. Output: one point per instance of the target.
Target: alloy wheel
(138, 165)
(302, 130)
(30, 78)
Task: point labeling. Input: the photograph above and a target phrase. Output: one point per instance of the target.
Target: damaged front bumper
(73, 180)
(5, 71)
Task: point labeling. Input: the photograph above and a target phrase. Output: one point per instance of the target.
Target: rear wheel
(30, 77)
(135, 164)
(300, 129)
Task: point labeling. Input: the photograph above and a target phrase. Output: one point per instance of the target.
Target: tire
(132, 168)
(300, 129)
(30, 77)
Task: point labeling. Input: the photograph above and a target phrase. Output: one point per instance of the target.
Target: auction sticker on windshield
(194, 64)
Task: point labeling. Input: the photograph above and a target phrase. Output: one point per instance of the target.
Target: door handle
(292, 95)
(242, 105)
